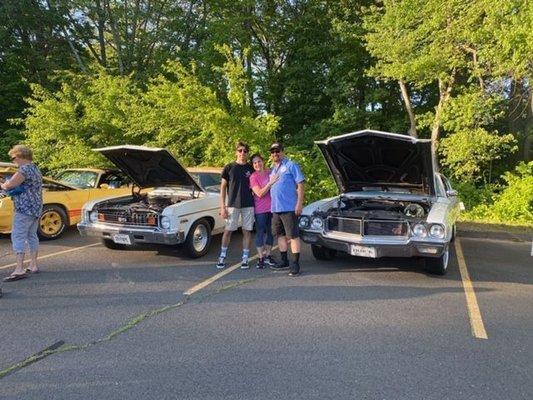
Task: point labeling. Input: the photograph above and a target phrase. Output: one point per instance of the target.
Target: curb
(498, 235)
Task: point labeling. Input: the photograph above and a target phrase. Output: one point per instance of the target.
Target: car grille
(347, 225)
(122, 218)
(385, 228)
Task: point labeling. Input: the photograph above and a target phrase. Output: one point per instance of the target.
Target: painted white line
(216, 277)
(54, 254)
(476, 322)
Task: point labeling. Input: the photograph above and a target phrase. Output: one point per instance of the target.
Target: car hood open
(368, 159)
(148, 166)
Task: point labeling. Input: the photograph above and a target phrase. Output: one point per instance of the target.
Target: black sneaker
(269, 260)
(283, 266)
(295, 269)
(244, 264)
(221, 264)
(260, 263)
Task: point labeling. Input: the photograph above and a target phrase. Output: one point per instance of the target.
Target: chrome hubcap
(200, 238)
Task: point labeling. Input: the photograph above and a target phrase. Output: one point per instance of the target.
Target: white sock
(245, 254)
(223, 252)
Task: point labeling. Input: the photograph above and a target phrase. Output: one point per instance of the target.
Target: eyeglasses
(242, 150)
(275, 151)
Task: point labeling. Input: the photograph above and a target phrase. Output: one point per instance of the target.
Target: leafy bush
(514, 204)
(469, 153)
(319, 183)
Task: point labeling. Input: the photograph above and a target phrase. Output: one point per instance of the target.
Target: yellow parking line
(216, 277)
(476, 322)
(54, 254)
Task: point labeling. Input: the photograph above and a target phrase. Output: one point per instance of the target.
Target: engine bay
(153, 202)
(380, 209)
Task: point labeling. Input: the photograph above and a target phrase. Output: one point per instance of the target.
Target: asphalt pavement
(99, 323)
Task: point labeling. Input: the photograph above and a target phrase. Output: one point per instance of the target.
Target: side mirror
(451, 193)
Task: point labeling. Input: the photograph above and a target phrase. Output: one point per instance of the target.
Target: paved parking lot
(117, 325)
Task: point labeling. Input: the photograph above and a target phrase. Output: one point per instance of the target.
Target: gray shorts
(245, 215)
(24, 232)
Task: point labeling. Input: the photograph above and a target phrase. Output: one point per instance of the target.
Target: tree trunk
(444, 95)
(528, 141)
(409, 108)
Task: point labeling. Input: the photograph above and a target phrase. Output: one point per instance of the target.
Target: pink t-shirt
(262, 204)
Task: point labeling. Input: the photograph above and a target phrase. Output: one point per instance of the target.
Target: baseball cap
(276, 146)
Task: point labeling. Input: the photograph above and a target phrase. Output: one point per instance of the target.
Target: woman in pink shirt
(260, 185)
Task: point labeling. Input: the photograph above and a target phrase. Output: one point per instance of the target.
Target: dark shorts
(285, 224)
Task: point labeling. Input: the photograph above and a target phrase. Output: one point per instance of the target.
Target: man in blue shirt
(287, 195)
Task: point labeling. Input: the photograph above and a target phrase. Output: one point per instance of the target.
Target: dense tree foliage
(195, 75)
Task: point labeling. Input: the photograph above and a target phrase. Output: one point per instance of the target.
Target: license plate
(121, 239)
(362, 251)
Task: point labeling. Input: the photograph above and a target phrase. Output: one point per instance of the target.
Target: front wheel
(323, 253)
(52, 223)
(198, 239)
(438, 265)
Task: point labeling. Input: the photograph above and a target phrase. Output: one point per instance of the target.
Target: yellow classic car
(62, 201)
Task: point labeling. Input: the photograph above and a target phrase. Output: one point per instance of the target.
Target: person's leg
(33, 244)
(291, 227)
(277, 230)
(260, 231)
(231, 225)
(19, 234)
(269, 241)
(247, 214)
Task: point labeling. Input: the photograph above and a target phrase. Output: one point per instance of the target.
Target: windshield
(210, 181)
(79, 179)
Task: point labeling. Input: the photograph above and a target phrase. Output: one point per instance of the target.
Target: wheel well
(211, 221)
(62, 207)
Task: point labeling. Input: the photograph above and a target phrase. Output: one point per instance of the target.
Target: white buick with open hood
(392, 202)
(167, 205)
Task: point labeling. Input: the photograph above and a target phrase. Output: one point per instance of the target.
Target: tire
(323, 253)
(52, 223)
(438, 265)
(112, 245)
(198, 239)
(454, 233)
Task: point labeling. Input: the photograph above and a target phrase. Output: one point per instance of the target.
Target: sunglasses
(275, 151)
(242, 150)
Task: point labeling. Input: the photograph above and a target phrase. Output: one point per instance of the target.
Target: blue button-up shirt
(283, 192)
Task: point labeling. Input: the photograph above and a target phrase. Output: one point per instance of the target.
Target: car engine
(374, 216)
(143, 209)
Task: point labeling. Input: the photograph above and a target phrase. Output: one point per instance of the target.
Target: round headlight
(93, 216)
(437, 231)
(304, 222)
(420, 230)
(165, 222)
(317, 223)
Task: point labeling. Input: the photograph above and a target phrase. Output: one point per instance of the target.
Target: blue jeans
(263, 230)
(24, 231)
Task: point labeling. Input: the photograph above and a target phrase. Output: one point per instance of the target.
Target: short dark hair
(242, 144)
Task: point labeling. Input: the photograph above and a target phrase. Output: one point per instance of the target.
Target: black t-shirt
(238, 177)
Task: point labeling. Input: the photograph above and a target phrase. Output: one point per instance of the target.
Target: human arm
(13, 182)
(300, 201)
(262, 191)
(223, 194)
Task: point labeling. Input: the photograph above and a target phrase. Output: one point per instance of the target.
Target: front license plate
(362, 251)
(121, 239)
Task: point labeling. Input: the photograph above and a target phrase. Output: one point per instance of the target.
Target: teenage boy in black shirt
(240, 203)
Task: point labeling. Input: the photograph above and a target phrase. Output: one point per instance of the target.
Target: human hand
(224, 212)
(273, 179)
(298, 210)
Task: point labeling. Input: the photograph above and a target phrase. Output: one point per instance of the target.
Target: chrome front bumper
(137, 235)
(385, 246)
